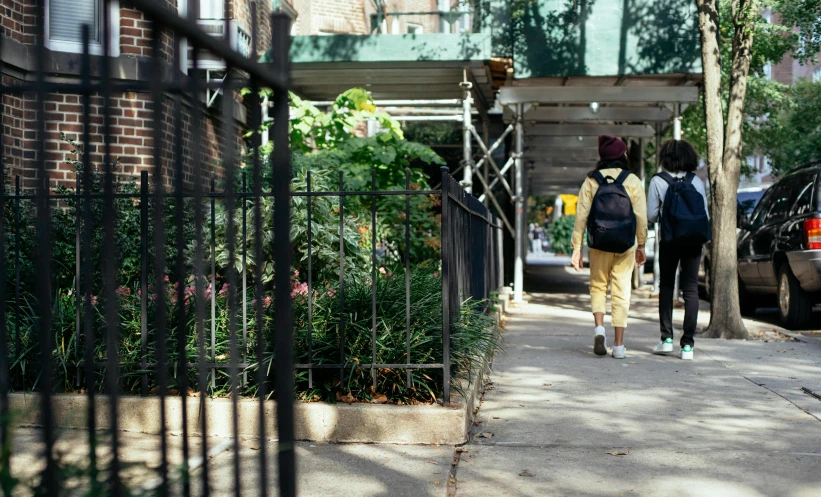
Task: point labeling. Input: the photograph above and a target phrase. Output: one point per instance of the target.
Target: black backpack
(684, 218)
(611, 226)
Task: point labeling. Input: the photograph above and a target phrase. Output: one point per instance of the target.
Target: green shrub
(561, 233)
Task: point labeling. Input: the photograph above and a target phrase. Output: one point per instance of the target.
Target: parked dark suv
(748, 198)
(779, 248)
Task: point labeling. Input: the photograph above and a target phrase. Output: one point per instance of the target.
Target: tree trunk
(725, 171)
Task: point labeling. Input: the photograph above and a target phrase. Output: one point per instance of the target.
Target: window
(212, 9)
(415, 29)
(395, 26)
(64, 20)
(803, 205)
(760, 211)
(780, 203)
(816, 75)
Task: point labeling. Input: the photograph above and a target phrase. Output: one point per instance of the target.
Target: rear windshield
(748, 200)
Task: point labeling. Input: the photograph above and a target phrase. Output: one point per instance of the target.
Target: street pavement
(561, 421)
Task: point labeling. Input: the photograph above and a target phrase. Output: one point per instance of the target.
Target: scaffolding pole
(467, 130)
(518, 265)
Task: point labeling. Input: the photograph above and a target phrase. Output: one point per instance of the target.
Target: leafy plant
(561, 233)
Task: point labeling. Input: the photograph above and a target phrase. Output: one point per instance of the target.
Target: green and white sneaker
(687, 353)
(665, 347)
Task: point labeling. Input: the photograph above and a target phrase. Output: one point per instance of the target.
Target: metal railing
(470, 258)
(105, 475)
(469, 261)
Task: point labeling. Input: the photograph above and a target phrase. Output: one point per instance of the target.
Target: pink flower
(266, 301)
(123, 291)
(94, 300)
(296, 273)
(435, 275)
(383, 271)
(224, 289)
(298, 289)
(331, 293)
(166, 278)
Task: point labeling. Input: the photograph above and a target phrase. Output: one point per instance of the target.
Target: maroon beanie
(611, 147)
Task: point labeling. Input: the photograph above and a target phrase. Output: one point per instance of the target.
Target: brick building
(57, 24)
(328, 17)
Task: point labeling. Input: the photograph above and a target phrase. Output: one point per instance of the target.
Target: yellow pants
(617, 269)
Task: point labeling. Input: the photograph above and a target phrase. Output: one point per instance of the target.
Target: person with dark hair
(612, 209)
(677, 199)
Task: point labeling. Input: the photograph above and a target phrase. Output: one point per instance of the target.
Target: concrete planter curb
(321, 422)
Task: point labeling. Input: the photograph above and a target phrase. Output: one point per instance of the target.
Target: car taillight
(812, 230)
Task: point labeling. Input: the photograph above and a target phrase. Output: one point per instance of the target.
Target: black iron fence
(175, 310)
(105, 475)
(468, 270)
(468, 265)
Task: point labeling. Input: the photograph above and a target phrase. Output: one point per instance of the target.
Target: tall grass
(474, 339)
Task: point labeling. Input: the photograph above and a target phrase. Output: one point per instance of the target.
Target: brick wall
(19, 19)
(331, 16)
(132, 117)
(354, 16)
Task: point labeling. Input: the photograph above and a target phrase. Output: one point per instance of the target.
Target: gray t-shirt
(658, 189)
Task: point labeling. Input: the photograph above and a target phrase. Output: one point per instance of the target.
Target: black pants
(669, 259)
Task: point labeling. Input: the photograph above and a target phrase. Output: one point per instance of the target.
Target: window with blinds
(66, 18)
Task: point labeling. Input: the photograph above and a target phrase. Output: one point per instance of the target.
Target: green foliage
(330, 147)
(790, 137)
(561, 233)
(328, 143)
(768, 104)
(474, 337)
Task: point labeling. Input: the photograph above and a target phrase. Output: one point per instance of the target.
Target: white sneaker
(600, 341)
(665, 347)
(687, 353)
(619, 352)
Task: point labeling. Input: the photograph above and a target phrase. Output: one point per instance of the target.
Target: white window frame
(418, 28)
(93, 48)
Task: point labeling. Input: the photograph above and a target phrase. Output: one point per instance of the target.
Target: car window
(806, 187)
(780, 203)
(748, 200)
(762, 208)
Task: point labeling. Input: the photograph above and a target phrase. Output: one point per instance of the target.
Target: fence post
(144, 282)
(17, 340)
(281, 158)
(78, 300)
(446, 255)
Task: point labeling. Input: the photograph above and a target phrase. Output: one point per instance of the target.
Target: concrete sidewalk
(561, 421)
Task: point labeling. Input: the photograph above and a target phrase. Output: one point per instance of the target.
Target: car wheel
(794, 304)
(748, 303)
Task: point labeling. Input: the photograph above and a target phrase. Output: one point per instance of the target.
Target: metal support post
(500, 250)
(486, 139)
(518, 267)
(467, 128)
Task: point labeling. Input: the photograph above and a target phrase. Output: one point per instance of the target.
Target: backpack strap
(622, 177)
(597, 175)
(667, 177)
(689, 177)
